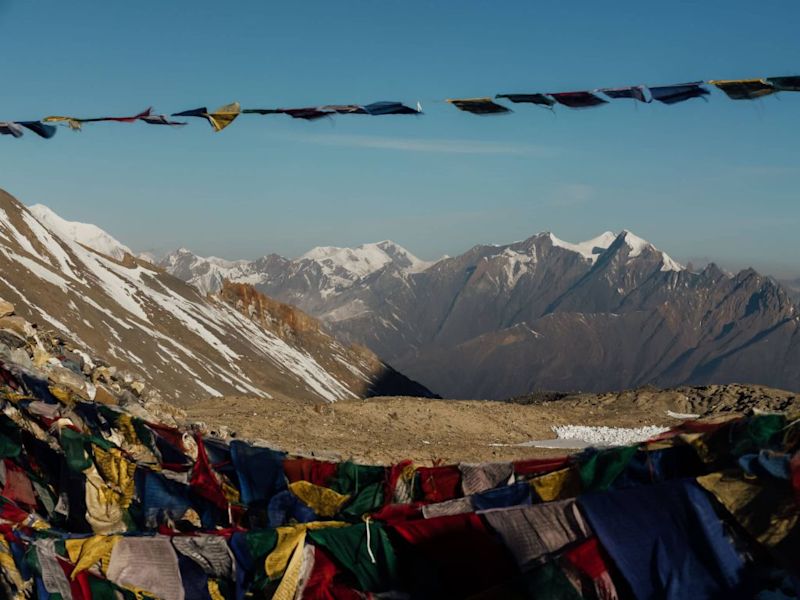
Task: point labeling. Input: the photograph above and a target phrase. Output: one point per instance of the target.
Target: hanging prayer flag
(195, 112)
(391, 108)
(309, 113)
(76, 123)
(785, 84)
(578, 99)
(744, 89)
(540, 99)
(224, 116)
(672, 94)
(8, 128)
(161, 120)
(634, 92)
(260, 111)
(344, 109)
(479, 106)
(39, 128)
(73, 124)
(133, 119)
(219, 119)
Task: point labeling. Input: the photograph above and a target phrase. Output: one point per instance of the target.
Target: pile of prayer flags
(98, 503)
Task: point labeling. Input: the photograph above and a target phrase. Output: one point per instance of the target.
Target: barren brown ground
(385, 430)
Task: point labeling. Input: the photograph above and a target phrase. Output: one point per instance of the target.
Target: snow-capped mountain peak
(85, 234)
(590, 249)
(636, 246)
(365, 259)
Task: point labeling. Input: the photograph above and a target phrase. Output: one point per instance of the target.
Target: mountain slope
(182, 343)
(609, 313)
(84, 233)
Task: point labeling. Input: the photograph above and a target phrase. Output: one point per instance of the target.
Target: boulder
(6, 308)
(11, 339)
(70, 380)
(71, 360)
(103, 395)
(18, 325)
(17, 356)
(41, 357)
(103, 374)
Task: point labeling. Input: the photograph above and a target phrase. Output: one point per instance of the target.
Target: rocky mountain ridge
(180, 342)
(611, 313)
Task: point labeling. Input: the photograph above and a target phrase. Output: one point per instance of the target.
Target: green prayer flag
(352, 478)
(101, 589)
(604, 467)
(757, 434)
(363, 483)
(549, 582)
(368, 500)
(10, 442)
(348, 546)
(74, 446)
(259, 545)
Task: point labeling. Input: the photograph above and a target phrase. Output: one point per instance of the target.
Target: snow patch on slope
(517, 264)
(590, 249)
(608, 436)
(84, 233)
(574, 437)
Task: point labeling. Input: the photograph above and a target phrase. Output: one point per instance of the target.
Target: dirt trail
(384, 430)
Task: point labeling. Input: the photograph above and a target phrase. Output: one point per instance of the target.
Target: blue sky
(713, 180)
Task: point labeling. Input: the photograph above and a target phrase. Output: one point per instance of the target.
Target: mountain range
(79, 282)
(610, 313)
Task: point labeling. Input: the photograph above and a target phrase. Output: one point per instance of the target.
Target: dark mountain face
(793, 287)
(540, 314)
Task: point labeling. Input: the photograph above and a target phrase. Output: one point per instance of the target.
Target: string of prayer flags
(222, 117)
